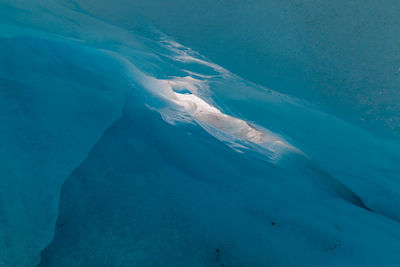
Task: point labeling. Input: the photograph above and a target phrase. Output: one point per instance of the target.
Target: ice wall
(169, 159)
(53, 111)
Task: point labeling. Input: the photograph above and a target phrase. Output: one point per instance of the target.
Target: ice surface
(126, 148)
(340, 54)
(52, 113)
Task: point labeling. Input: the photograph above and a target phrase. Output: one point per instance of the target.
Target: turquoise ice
(119, 146)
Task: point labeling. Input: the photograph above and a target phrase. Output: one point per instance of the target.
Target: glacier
(122, 147)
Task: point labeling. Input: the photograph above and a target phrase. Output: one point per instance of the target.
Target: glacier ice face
(161, 157)
(169, 195)
(46, 95)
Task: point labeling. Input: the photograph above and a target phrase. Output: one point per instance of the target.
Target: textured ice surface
(340, 54)
(125, 148)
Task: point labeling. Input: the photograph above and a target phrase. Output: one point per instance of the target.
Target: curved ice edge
(76, 167)
(182, 95)
(200, 110)
(207, 115)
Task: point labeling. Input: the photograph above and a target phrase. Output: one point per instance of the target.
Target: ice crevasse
(125, 148)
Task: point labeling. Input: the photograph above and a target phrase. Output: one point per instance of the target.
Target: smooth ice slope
(168, 159)
(51, 116)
